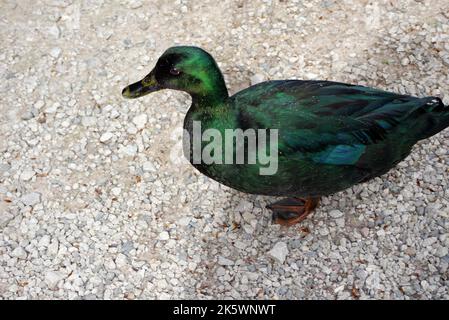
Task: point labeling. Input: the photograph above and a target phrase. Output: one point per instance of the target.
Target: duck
(329, 136)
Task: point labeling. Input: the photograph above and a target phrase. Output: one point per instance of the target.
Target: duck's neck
(210, 100)
(213, 93)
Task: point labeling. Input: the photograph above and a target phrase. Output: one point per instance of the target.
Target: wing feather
(328, 122)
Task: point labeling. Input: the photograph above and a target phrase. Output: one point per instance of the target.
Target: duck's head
(189, 69)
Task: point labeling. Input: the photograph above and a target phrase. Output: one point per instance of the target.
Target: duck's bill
(141, 88)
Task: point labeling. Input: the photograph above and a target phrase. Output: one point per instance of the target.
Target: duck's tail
(435, 116)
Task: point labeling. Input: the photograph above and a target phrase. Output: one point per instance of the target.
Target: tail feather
(435, 117)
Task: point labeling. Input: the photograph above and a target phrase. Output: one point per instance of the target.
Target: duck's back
(335, 131)
(341, 112)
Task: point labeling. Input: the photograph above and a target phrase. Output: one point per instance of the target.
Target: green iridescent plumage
(331, 135)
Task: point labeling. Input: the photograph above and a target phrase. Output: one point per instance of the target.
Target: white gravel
(279, 252)
(93, 206)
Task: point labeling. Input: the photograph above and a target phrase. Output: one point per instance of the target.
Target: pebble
(106, 137)
(31, 199)
(164, 236)
(109, 264)
(19, 252)
(225, 261)
(257, 78)
(183, 222)
(52, 279)
(53, 108)
(135, 4)
(28, 115)
(365, 232)
(221, 271)
(140, 121)
(121, 261)
(148, 166)
(380, 233)
(116, 191)
(442, 252)
(44, 241)
(5, 218)
(27, 175)
(54, 31)
(55, 52)
(245, 206)
(336, 214)
(53, 248)
(90, 121)
(373, 281)
(279, 252)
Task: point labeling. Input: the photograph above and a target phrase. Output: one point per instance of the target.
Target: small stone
(4, 167)
(140, 121)
(105, 137)
(405, 61)
(54, 31)
(130, 150)
(148, 166)
(44, 241)
(164, 236)
(161, 283)
(28, 115)
(127, 247)
(248, 217)
(5, 218)
(336, 214)
(252, 276)
(221, 271)
(88, 121)
(116, 191)
(257, 78)
(30, 199)
(109, 264)
(340, 222)
(365, 232)
(52, 278)
(135, 4)
(164, 296)
(184, 221)
(115, 114)
(53, 108)
(410, 251)
(19, 253)
(279, 252)
(429, 241)
(311, 75)
(246, 207)
(373, 281)
(225, 261)
(324, 231)
(441, 252)
(121, 260)
(55, 52)
(53, 248)
(361, 274)
(240, 245)
(39, 104)
(27, 175)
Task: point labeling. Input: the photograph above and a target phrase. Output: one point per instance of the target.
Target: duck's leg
(288, 212)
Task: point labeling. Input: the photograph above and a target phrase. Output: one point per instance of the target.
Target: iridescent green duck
(331, 135)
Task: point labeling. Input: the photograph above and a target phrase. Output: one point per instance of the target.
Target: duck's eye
(174, 71)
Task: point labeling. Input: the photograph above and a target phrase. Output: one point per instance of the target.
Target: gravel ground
(94, 202)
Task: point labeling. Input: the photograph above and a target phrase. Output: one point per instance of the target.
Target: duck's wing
(331, 122)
